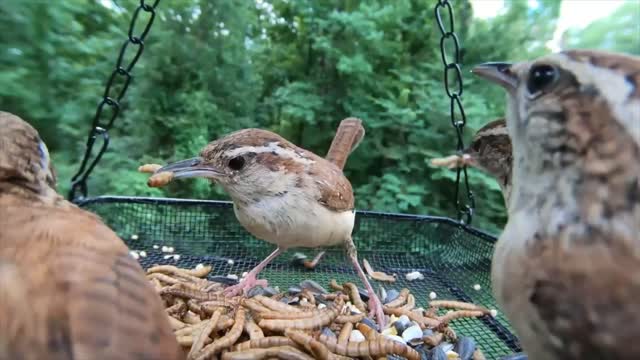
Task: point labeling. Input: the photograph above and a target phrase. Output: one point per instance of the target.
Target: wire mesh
(454, 259)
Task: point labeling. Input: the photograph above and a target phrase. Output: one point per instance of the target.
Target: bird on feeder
(282, 194)
(490, 152)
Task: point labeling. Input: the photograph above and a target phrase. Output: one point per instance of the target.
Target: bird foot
(375, 308)
(244, 285)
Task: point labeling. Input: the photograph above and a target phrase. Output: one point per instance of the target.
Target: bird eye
(541, 77)
(237, 163)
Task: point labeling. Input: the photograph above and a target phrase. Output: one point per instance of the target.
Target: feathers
(69, 288)
(565, 269)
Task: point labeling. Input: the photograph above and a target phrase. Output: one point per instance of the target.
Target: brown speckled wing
(80, 295)
(587, 298)
(335, 191)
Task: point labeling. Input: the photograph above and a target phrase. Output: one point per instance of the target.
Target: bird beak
(499, 73)
(189, 168)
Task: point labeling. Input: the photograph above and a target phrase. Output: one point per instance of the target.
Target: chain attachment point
(452, 73)
(79, 188)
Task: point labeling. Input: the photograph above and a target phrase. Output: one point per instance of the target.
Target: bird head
(249, 164)
(568, 108)
(490, 151)
(24, 157)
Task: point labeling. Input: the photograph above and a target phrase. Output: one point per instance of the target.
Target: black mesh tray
(453, 258)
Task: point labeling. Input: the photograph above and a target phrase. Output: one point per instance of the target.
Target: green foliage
(618, 32)
(294, 67)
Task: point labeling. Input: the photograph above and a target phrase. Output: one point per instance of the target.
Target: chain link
(102, 123)
(453, 74)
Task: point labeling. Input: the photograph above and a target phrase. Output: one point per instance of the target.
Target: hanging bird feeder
(434, 257)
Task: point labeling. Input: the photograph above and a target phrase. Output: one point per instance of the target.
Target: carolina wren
(282, 194)
(489, 151)
(68, 287)
(566, 267)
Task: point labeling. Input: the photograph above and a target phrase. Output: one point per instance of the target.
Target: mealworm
(156, 284)
(434, 339)
(265, 342)
(160, 179)
(368, 332)
(223, 323)
(458, 314)
(400, 300)
(190, 293)
(170, 269)
(318, 349)
(411, 303)
(176, 324)
(292, 316)
(335, 286)
(377, 275)
(354, 294)
(275, 304)
(450, 334)
(432, 312)
(253, 305)
(178, 309)
(341, 319)
(378, 347)
(252, 329)
(187, 340)
(307, 294)
(345, 333)
(204, 333)
(323, 318)
(451, 161)
(424, 321)
(227, 340)
(280, 352)
(459, 305)
(149, 168)
(191, 318)
(210, 306)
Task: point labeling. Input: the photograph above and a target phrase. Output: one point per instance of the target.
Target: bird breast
(295, 219)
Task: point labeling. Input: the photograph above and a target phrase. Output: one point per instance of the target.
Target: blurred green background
(293, 67)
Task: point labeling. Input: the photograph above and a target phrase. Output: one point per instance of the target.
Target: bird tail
(348, 136)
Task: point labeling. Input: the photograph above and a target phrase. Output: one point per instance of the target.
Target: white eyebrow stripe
(497, 130)
(272, 147)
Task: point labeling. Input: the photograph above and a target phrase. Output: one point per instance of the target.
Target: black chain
(100, 127)
(459, 120)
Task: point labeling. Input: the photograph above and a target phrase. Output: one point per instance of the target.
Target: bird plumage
(69, 289)
(565, 269)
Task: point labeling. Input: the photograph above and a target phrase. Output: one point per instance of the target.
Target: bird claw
(244, 286)
(375, 309)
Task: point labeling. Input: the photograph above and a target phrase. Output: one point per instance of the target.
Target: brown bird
(348, 136)
(282, 194)
(69, 288)
(489, 151)
(566, 269)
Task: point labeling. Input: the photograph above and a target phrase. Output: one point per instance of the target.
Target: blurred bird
(69, 288)
(566, 267)
(489, 151)
(281, 193)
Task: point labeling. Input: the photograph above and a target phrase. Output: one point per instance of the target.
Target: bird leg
(375, 305)
(251, 279)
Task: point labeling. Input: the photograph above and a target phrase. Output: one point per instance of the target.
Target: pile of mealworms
(306, 322)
